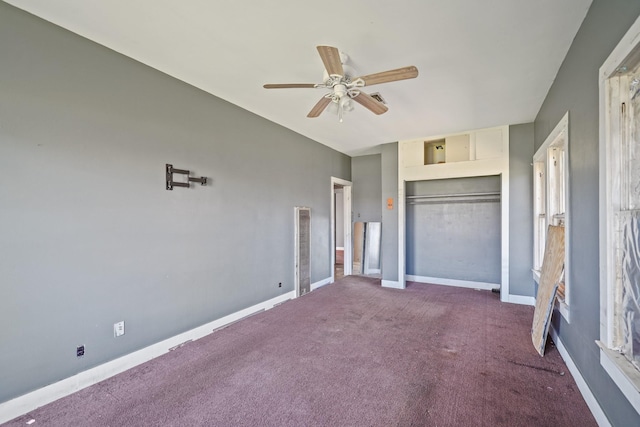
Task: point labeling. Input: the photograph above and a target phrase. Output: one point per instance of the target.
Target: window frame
(551, 200)
(624, 57)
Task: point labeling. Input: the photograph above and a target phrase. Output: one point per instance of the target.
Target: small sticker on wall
(390, 203)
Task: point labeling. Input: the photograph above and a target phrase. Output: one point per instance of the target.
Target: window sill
(536, 275)
(623, 373)
(562, 306)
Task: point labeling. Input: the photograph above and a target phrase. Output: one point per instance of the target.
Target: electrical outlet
(80, 351)
(118, 329)
(280, 284)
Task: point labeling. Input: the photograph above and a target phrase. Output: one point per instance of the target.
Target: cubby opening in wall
(434, 151)
(451, 149)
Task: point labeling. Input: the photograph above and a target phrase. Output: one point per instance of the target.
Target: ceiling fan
(339, 78)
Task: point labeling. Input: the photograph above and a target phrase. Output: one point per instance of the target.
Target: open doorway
(341, 247)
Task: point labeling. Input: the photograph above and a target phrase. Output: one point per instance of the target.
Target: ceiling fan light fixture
(333, 108)
(346, 103)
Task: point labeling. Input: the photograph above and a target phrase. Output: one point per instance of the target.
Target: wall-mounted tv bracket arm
(170, 183)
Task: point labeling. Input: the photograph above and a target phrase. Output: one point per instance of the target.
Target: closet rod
(452, 201)
(440, 196)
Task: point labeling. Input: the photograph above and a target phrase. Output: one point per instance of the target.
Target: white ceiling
(481, 63)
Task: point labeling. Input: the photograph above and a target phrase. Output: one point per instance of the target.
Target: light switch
(118, 329)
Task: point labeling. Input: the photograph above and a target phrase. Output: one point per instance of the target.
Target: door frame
(348, 245)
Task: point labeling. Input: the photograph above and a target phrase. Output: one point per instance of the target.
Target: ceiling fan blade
(319, 107)
(331, 59)
(289, 85)
(370, 103)
(404, 73)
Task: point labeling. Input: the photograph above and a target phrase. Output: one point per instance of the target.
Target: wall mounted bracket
(170, 183)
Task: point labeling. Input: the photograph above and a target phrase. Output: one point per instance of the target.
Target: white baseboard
(392, 284)
(521, 299)
(514, 299)
(453, 282)
(35, 399)
(592, 403)
(320, 283)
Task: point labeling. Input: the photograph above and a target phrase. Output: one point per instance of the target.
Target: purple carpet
(348, 354)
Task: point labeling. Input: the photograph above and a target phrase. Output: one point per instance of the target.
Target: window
(620, 215)
(550, 191)
(540, 217)
(623, 211)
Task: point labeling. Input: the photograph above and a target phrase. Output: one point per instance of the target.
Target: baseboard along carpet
(348, 354)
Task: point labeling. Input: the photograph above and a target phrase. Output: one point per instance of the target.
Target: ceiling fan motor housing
(330, 80)
(340, 90)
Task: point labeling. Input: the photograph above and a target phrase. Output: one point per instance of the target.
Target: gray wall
(575, 89)
(367, 188)
(389, 260)
(521, 210)
(450, 239)
(89, 234)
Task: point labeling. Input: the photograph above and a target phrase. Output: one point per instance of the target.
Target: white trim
(606, 235)
(555, 133)
(522, 300)
(560, 131)
(621, 51)
(394, 284)
(348, 245)
(536, 275)
(348, 240)
(339, 248)
(321, 283)
(453, 282)
(42, 396)
(505, 292)
(401, 284)
(615, 363)
(588, 397)
(620, 370)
